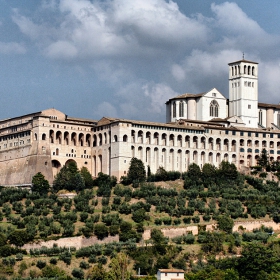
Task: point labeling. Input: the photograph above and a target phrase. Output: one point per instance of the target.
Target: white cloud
(178, 72)
(62, 49)
(11, 48)
(158, 95)
(146, 51)
(105, 109)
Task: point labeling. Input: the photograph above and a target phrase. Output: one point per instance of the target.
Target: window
(213, 94)
(241, 133)
(214, 109)
(260, 117)
(174, 109)
(181, 109)
(249, 106)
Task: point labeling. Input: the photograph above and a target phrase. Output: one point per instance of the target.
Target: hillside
(202, 208)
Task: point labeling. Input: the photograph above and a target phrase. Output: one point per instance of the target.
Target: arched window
(245, 72)
(253, 71)
(260, 117)
(181, 109)
(214, 109)
(174, 109)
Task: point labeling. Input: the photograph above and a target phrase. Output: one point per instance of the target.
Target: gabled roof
(193, 95)
(243, 60)
(172, 270)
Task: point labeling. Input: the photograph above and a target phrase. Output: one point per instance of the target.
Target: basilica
(200, 128)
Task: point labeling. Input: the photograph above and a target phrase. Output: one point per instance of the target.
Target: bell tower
(243, 91)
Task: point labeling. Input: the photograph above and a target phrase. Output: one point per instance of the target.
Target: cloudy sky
(126, 58)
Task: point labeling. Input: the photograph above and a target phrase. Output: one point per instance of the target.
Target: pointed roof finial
(243, 56)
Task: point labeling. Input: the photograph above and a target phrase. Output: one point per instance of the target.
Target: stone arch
(163, 157)
(202, 158)
(163, 138)
(203, 142)
(125, 138)
(195, 157)
(94, 143)
(171, 159)
(140, 153)
(210, 157)
(74, 139)
(148, 137)
(188, 141)
(195, 142)
(100, 139)
(187, 159)
(233, 145)
(133, 136)
(88, 140)
(148, 155)
(56, 166)
(115, 138)
(180, 140)
(218, 144)
(226, 144)
(51, 136)
(81, 139)
(218, 158)
(140, 136)
(156, 138)
(211, 143)
(171, 140)
(44, 137)
(66, 137)
(58, 137)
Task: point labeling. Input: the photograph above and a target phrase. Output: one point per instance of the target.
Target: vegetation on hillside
(103, 208)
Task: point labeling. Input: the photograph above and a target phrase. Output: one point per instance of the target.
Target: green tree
(159, 241)
(193, 176)
(97, 273)
(263, 159)
(100, 230)
(225, 223)
(52, 271)
(209, 173)
(228, 171)
(119, 268)
(66, 178)
(40, 184)
(18, 237)
(87, 177)
(161, 174)
(136, 171)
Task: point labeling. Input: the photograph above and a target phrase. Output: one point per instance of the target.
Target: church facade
(200, 128)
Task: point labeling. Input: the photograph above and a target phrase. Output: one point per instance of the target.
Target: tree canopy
(136, 171)
(40, 184)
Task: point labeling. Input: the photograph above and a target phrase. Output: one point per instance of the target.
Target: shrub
(41, 264)
(53, 261)
(78, 273)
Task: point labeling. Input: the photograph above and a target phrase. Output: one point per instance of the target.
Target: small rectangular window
(249, 106)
